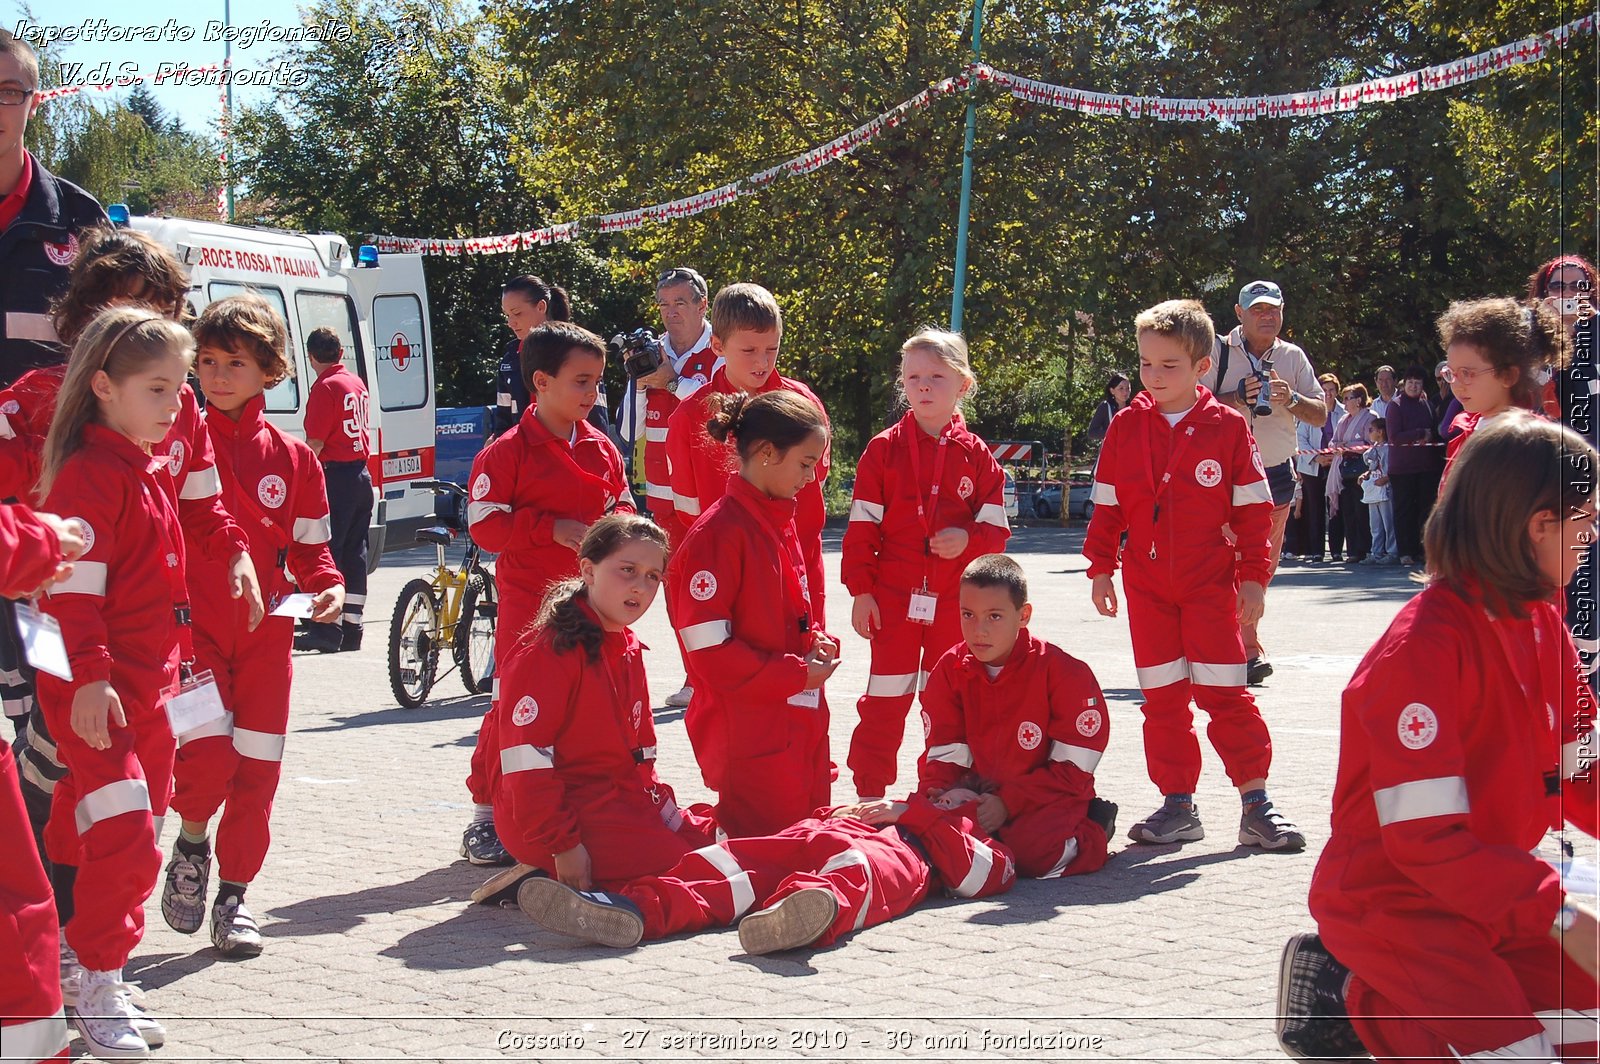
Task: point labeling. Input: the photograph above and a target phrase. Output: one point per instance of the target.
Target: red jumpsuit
(1172, 489)
(578, 762)
(1035, 733)
(522, 484)
(1463, 740)
(695, 371)
(32, 1025)
(274, 483)
(739, 595)
(701, 468)
(886, 556)
(875, 873)
(119, 615)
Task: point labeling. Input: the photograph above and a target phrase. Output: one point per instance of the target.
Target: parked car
(1010, 494)
(1047, 500)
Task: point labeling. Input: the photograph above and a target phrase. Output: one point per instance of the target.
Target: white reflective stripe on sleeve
(114, 799)
(88, 578)
(1207, 674)
(991, 513)
(1420, 799)
(686, 504)
(525, 758)
(852, 859)
(494, 690)
(1081, 756)
(201, 484)
(655, 435)
(21, 325)
(862, 510)
(648, 753)
(658, 491)
(477, 511)
(744, 895)
(223, 726)
(952, 754)
(6, 431)
(1069, 853)
(1570, 1027)
(1245, 494)
(312, 530)
(1534, 1048)
(891, 686)
(1577, 755)
(922, 680)
(706, 634)
(978, 874)
(1157, 676)
(1103, 494)
(258, 745)
(36, 1039)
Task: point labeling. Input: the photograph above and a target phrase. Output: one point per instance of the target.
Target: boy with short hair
(1176, 466)
(1017, 725)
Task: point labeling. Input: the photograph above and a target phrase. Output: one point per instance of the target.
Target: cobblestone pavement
(374, 952)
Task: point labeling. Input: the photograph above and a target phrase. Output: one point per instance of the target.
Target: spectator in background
(1344, 487)
(1313, 471)
(1118, 391)
(527, 303)
(1384, 379)
(1448, 401)
(1414, 462)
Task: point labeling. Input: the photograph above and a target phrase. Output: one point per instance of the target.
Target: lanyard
(790, 562)
(157, 500)
(567, 455)
(1185, 436)
(932, 507)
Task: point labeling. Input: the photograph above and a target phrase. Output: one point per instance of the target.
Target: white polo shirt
(1275, 437)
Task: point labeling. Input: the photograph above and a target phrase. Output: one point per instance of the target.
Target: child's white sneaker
(233, 929)
(105, 1017)
(71, 972)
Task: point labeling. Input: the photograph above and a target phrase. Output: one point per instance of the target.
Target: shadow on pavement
(157, 970)
(462, 707)
(336, 914)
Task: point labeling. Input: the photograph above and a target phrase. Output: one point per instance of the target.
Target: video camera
(640, 351)
(1263, 407)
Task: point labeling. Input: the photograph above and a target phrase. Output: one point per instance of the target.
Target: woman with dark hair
(527, 303)
(1118, 391)
(1414, 463)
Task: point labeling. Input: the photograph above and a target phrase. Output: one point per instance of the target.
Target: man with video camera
(1271, 382)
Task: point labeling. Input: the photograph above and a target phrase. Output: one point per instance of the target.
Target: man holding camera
(1271, 382)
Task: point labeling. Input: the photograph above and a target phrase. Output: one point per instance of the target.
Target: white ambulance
(379, 309)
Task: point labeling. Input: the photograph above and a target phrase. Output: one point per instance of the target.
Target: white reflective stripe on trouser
(845, 859)
(978, 874)
(258, 745)
(1577, 755)
(892, 686)
(1103, 494)
(36, 1039)
(655, 435)
(477, 511)
(1210, 674)
(862, 510)
(114, 799)
(1156, 676)
(201, 484)
(525, 758)
(992, 514)
(222, 725)
(355, 600)
(1082, 756)
(657, 491)
(1246, 494)
(1068, 853)
(1570, 1027)
(706, 634)
(312, 530)
(686, 504)
(1534, 1048)
(744, 895)
(952, 754)
(1421, 799)
(21, 325)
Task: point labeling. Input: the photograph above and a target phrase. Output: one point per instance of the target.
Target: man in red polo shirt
(336, 428)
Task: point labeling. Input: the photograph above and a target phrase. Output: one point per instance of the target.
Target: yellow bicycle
(454, 610)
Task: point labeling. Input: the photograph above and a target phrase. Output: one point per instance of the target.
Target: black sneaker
(500, 889)
(349, 637)
(1256, 671)
(1313, 1021)
(320, 640)
(1104, 813)
(1260, 824)
(593, 916)
(480, 844)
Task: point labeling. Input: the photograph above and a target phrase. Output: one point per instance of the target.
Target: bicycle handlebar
(440, 487)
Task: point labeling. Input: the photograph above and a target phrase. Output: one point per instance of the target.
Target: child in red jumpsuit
(123, 613)
(534, 491)
(1467, 733)
(1023, 724)
(929, 498)
(1177, 466)
(741, 598)
(274, 483)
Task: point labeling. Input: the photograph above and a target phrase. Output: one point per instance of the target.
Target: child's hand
(1252, 602)
(1582, 943)
(1382, 480)
(94, 706)
(572, 868)
(242, 583)
(864, 616)
(948, 542)
(1104, 595)
(69, 534)
(1299, 505)
(568, 533)
(818, 668)
(328, 605)
(878, 811)
(824, 646)
(992, 813)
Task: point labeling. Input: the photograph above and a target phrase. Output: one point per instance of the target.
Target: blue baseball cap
(1260, 292)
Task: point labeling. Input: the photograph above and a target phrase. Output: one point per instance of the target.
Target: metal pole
(227, 109)
(958, 298)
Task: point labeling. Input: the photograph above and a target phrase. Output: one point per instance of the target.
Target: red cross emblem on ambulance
(399, 352)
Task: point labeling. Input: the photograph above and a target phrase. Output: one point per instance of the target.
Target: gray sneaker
(233, 930)
(1262, 825)
(1173, 822)
(1313, 1021)
(593, 916)
(183, 896)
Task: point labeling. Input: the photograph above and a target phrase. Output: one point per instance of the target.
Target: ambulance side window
(402, 352)
(332, 310)
(283, 397)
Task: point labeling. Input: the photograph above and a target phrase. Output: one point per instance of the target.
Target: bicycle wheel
(474, 639)
(413, 643)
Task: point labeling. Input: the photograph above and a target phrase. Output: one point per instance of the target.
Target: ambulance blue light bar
(118, 213)
(366, 257)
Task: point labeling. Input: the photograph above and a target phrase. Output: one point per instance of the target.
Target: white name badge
(196, 704)
(42, 643)
(922, 605)
(807, 699)
(296, 605)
